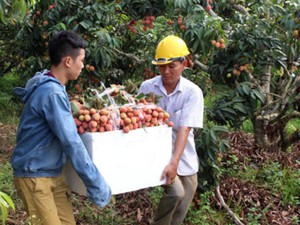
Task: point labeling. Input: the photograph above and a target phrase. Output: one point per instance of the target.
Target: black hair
(65, 43)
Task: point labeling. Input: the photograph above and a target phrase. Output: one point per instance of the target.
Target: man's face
(170, 73)
(76, 65)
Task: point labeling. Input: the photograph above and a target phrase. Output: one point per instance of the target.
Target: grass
(292, 126)
(9, 108)
(88, 214)
(216, 91)
(279, 180)
(9, 111)
(155, 194)
(284, 180)
(247, 126)
(6, 177)
(8, 82)
(204, 214)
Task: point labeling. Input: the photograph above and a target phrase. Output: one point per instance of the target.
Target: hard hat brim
(161, 63)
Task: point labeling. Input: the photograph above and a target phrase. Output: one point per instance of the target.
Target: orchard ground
(253, 202)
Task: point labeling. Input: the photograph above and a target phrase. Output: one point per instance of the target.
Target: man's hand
(169, 173)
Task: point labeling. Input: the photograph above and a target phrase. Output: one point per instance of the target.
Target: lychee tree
(121, 35)
(261, 64)
(11, 12)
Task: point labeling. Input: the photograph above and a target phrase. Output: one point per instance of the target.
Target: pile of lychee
(126, 117)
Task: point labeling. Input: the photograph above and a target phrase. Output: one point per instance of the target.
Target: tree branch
(222, 202)
(287, 91)
(130, 56)
(239, 8)
(253, 79)
(201, 65)
(211, 12)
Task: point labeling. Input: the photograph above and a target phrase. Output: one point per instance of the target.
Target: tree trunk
(265, 83)
(260, 136)
(259, 123)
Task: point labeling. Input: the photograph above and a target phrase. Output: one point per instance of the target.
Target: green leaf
(259, 95)
(196, 44)
(2, 10)
(216, 168)
(140, 96)
(238, 99)
(85, 24)
(224, 146)
(4, 213)
(240, 90)
(8, 199)
(14, 11)
(282, 63)
(220, 129)
(213, 136)
(58, 27)
(207, 140)
(211, 154)
(240, 107)
(224, 104)
(208, 33)
(75, 107)
(229, 110)
(5, 203)
(18, 9)
(245, 88)
(198, 9)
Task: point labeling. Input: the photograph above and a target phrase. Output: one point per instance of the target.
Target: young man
(47, 135)
(184, 101)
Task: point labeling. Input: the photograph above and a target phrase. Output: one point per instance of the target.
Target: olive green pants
(176, 200)
(46, 200)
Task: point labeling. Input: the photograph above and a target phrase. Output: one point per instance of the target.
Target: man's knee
(178, 191)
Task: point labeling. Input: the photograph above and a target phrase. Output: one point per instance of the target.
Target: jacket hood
(32, 84)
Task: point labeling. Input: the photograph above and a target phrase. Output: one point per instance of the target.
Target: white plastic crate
(128, 162)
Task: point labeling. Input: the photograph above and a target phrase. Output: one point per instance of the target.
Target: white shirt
(185, 106)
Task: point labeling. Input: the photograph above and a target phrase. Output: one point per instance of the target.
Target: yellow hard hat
(169, 49)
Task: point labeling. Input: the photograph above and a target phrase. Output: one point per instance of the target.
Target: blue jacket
(47, 135)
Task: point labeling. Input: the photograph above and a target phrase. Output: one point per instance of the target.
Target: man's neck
(59, 75)
(170, 87)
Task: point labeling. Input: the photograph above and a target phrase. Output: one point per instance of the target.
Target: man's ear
(185, 63)
(67, 61)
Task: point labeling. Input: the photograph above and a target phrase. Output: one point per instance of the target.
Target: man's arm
(170, 171)
(61, 122)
